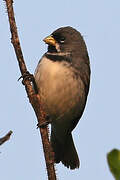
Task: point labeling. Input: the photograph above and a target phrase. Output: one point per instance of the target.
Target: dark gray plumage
(62, 77)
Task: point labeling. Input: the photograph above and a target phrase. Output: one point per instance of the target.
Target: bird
(62, 77)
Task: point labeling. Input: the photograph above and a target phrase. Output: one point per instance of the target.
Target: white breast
(53, 76)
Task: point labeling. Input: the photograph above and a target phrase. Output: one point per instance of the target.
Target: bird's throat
(55, 56)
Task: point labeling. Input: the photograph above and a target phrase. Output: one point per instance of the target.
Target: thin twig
(33, 98)
(5, 138)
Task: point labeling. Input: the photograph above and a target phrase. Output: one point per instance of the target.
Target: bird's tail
(67, 154)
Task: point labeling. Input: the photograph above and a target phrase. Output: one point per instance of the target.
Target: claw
(44, 124)
(20, 78)
(30, 77)
(26, 75)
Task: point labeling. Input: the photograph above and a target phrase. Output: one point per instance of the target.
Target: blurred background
(98, 131)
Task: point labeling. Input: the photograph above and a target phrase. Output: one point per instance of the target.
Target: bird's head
(66, 40)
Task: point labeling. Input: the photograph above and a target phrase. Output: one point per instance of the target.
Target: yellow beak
(50, 40)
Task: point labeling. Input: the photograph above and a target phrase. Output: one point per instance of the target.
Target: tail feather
(66, 153)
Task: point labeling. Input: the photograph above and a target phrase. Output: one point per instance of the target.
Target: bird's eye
(62, 40)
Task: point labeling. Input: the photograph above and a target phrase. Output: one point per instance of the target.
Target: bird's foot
(30, 77)
(44, 124)
(26, 76)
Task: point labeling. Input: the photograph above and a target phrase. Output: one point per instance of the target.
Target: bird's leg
(44, 124)
(30, 77)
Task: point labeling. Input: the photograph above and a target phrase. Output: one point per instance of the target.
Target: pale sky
(99, 128)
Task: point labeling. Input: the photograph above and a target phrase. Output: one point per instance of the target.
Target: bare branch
(33, 97)
(5, 138)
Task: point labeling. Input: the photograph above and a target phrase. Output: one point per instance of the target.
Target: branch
(33, 97)
(5, 138)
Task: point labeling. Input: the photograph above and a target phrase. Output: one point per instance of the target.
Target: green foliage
(113, 159)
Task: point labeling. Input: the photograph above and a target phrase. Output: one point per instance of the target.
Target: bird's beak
(50, 40)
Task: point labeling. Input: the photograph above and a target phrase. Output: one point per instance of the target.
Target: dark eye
(62, 40)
